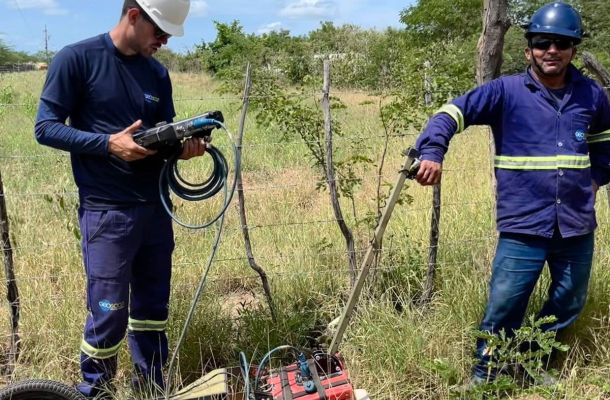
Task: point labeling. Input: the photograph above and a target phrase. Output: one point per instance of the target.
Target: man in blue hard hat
(551, 130)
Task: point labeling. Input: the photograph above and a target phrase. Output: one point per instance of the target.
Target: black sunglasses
(546, 43)
(159, 33)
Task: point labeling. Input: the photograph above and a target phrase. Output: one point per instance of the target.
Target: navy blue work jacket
(547, 152)
(103, 92)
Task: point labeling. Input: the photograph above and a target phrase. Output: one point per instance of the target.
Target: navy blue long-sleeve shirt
(102, 92)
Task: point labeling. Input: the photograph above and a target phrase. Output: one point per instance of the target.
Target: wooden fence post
(12, 293)
(242, 199)
(436, 209)
(330, 175)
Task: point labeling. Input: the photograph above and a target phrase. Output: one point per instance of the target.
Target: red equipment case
(329, 375)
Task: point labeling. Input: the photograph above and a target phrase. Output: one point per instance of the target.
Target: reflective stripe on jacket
(547, 154)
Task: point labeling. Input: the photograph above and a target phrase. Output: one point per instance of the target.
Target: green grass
(394, 349)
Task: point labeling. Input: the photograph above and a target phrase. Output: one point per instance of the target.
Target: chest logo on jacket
(580, 135)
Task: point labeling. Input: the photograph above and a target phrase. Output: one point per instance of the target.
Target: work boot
(142, 388)
(96, 392)
(474, 382)
(544, 378)
(548, 379)
(464, 390)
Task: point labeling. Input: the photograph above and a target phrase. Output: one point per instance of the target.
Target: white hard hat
(169, 15)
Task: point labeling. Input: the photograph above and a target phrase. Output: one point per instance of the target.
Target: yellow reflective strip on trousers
(455, 113)
(598, 137)
(542, 162)
(99, 353)
(146, 325)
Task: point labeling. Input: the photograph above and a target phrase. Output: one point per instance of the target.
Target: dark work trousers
(127, 257)
(516, 268)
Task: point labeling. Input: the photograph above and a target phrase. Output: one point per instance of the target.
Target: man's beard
(539, 69)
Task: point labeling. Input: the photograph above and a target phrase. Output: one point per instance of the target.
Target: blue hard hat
(556, 19)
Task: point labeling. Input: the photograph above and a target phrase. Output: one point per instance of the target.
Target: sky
(23, 22)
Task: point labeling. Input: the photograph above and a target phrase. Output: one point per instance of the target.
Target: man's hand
(193, 147)
(121, 144)
(429, 173)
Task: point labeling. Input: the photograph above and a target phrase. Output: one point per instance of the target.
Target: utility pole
(46, 44)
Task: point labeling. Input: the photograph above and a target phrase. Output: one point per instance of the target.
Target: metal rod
(370, 254)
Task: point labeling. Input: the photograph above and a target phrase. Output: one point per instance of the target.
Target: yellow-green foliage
(394, 349)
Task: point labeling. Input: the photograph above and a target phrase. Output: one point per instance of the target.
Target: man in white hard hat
(109, 87)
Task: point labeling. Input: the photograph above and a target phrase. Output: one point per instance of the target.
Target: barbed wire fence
(425, 211)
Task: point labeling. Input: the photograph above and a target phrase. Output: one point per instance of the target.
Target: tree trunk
(491, 42)
(597, 69)
(489, 62)
(602, 75)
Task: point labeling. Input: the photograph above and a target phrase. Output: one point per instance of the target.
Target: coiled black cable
(197, 191)
(171, 180)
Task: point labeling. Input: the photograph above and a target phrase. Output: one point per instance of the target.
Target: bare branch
(330, 174)
(242, 199)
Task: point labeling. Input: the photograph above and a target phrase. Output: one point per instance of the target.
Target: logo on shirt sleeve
(150, 98)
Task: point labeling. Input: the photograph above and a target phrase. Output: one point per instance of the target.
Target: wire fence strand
(294, 235)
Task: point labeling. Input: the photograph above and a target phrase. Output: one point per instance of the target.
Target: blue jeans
(516, 268)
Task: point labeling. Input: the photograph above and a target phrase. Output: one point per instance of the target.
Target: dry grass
(412, 353)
